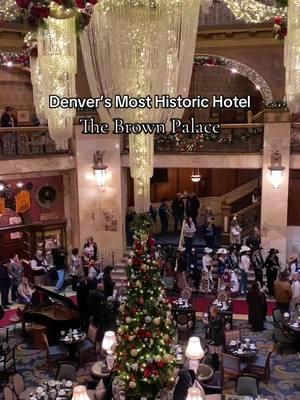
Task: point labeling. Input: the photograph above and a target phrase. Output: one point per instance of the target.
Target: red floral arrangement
(280, 27)
(37, 11)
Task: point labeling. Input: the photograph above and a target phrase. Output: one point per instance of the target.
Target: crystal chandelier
(141, 48)
(37, 88)
(292, 57)
(57, 53)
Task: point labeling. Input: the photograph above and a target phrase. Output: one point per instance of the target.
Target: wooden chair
(234, 334)
(67, 370)
(89, 344)
(277, 318)
(232, 366)
(261, 365)
(8, 393)
(214, 386)
(18, 384)
(56, 352)
(247, 385)
(4, 334)
(7, 362)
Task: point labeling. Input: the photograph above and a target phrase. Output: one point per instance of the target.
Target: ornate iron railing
(25, 142)
(248, 218)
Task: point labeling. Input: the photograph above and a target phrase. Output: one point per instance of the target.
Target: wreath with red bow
(37, 11)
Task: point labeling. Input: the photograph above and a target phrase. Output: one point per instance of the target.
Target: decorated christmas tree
(144, 359)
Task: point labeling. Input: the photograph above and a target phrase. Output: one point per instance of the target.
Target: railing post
(249, 117)
(225, 211)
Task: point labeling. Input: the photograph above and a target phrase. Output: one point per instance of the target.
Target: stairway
(119, 273)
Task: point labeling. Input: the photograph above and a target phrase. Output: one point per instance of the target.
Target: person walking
(244, 267)
(16, 273)
(235, 232)
(272, 268)
(178, 211)
(59, 261)
(164, 216)
(257, 307)
(189, 230)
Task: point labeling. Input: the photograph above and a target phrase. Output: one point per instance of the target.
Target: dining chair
(4, 334)
(7, 362)
(232, 365)
(56, 352)
(66, 370)
(18, 384)
(277, 317)
(88, 344)
(260, 366)
(8, 393)
(282, 339)
(247, 385)
(184, 382)
(234, 334)
(214, 386)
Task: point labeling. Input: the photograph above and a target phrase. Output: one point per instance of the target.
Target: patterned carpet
(285, 367)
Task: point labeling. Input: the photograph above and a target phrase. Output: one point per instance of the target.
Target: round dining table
(242, 349)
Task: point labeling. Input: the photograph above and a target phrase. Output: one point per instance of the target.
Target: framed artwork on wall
(108, 220)
(23, 116)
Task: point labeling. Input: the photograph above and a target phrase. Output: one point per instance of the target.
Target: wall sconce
(99, 169)
(196, 177)
(276, 169)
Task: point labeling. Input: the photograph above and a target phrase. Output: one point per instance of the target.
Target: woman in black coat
(257, 307)
(108, 282)
(215, 334)
(272, 268)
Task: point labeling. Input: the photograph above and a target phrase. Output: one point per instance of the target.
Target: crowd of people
(54, 269)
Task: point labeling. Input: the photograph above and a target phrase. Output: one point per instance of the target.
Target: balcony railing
(25, 142)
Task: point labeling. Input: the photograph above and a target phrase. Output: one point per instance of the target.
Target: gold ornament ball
(138, 284)
(130, 338)
(168, 321)
(134, 352)
(156, 321)
(157, 358)
(132, 384)
(166, 337)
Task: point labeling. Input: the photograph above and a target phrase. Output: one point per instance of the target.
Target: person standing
(235, 232)
(59, 261)
(283, 291)
(293, 264)
(233, 259)
(178, 211)
(39, 267)
(192, 206)
(207, 267)
(244, 267)
(16, 273)
(254, 240)
(5, 283)
(296, 288)
(90, 248)
(76, 265)
(257, 307)
(272, 268)
(215, 335)
(108, 282)
(194, 270)
(164, 216)
(210, 234)
(25, 292)
(258, 263)
(7, 118)
(189, 230)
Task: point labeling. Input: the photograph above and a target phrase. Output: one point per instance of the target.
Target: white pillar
(274, 203)
(93, 203)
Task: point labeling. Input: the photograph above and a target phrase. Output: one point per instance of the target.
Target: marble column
(274, 203)
(100, 212)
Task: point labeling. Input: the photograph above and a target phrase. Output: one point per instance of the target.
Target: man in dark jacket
(178, 211)
(5, 283)
(108, 282)
(7, 119)
(164, 216)
(192, 207)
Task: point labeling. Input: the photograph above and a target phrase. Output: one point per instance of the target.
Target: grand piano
(55, 311)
